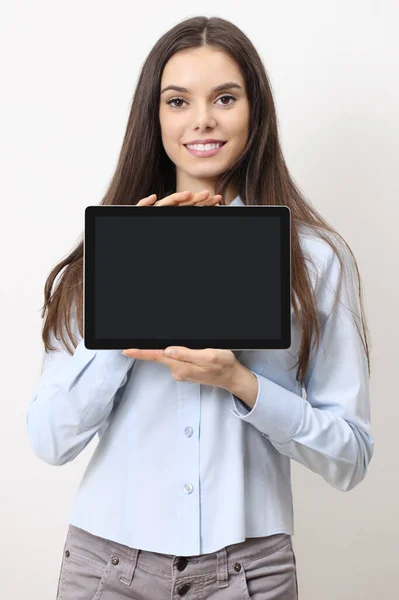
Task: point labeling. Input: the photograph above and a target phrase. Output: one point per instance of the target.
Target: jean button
(181, 563)
(183, 589)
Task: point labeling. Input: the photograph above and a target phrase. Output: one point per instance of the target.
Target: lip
(205, 153)
(207, 141)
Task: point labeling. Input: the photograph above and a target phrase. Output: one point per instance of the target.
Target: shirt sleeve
(73, 399)
(330, 431)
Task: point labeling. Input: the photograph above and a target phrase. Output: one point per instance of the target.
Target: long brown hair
(260, 174)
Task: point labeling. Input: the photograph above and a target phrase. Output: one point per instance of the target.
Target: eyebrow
(223, 86)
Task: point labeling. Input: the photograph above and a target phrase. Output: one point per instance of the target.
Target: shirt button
(188, 431)
(188, 488)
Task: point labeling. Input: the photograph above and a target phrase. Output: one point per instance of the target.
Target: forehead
(194, 67)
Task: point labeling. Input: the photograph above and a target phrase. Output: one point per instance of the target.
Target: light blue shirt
(186, 469)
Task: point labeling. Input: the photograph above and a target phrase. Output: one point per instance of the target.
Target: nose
(204, 117)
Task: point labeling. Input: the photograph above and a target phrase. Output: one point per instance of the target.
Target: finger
(211, 201)
(197, 357)
(176, 198)
(196, 198)
(154, 355)
(147, 200)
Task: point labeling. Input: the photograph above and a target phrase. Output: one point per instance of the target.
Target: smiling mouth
(204, 153)
(220, 144)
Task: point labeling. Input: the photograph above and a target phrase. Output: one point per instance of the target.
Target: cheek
(171, 135)
(168, 127)
(240, 138)
(238, 127)
(244, 125)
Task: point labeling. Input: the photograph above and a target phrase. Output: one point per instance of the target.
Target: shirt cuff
(277, 412)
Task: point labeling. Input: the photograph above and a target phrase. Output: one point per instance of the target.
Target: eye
(174, 100)
(228, 96)
(181, 100)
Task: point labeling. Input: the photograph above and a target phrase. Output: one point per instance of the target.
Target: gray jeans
(94, 568)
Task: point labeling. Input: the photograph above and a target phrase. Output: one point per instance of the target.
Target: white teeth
(204, 147)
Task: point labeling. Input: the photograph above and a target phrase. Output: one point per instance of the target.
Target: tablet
(193, 276)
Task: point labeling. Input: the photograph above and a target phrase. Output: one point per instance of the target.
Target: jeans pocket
(84, 571)
(62, 572)
(271, 577)
(296, 572)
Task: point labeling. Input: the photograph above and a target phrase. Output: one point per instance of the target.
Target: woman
(175, 499)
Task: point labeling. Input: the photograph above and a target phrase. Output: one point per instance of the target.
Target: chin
(205, 173)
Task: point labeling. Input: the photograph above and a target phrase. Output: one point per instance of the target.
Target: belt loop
(222, 568)
(130, 562)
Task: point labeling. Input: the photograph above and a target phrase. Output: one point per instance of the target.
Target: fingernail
(170, 352)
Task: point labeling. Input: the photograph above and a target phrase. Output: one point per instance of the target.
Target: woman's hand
(209, 366)
(182, 199)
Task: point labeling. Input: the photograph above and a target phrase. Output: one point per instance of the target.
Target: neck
(198, 185)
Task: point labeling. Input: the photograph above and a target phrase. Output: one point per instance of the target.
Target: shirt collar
(236, 202)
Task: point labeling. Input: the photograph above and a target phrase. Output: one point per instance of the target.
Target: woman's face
(201, 113)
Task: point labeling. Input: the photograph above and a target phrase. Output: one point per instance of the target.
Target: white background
(68, 74)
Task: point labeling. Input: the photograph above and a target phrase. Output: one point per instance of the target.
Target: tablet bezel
(264, 211)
